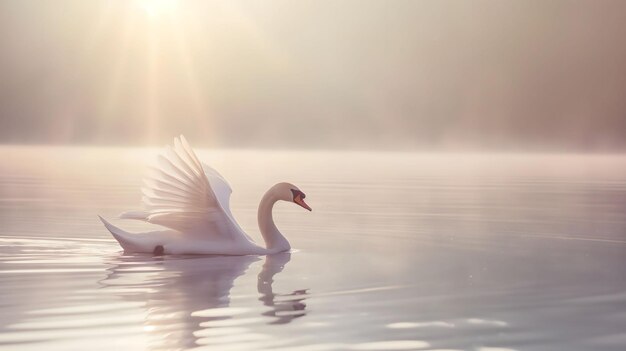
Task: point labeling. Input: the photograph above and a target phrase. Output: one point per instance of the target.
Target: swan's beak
(301, 202)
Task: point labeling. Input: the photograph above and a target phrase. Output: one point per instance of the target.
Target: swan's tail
(120, 235)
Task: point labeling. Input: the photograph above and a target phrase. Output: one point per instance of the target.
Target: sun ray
(119, 66)
(264, 43)
(201, 108)
(152, 112)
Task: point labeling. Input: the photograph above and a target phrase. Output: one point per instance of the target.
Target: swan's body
(192, 200)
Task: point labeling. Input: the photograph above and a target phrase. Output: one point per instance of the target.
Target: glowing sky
(318, 74)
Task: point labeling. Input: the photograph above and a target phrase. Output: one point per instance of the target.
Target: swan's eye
(297, 193)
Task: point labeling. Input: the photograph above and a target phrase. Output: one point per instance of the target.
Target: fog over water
(505, 75)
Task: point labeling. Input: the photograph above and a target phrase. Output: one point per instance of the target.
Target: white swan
(192, 199)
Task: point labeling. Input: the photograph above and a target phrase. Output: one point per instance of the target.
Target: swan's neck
(274, 240)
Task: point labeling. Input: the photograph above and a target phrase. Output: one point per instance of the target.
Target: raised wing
(179, 195)
(222, 191)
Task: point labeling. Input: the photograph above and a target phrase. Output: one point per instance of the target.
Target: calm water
(401, 252)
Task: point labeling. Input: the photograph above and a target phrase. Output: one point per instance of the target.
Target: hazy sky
(321, 74)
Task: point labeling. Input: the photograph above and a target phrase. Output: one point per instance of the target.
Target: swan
(192, 200)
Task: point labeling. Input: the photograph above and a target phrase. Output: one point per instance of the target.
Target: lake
(403, 251)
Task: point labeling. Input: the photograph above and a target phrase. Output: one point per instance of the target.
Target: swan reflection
(188, 299)
(285, 307)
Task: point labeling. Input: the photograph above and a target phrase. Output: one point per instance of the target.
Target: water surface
(401, 252)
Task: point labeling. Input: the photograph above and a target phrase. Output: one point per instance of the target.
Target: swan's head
(290, 193)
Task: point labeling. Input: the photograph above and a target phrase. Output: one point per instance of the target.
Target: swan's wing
(178, 194)
(222, 191)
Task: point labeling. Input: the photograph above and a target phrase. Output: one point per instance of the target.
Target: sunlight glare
(154, 8)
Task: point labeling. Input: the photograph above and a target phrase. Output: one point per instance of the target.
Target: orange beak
(301, 202)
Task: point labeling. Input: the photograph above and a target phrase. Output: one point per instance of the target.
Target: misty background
(504, 75)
